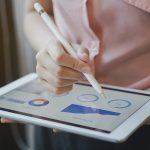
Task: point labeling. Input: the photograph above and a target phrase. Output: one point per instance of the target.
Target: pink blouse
(143, 4)
(116, 33)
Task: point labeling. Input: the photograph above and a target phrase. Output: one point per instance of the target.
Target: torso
(123, 31)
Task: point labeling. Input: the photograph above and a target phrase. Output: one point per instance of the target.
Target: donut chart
(119, 103)
(38, 102)
(87, 98)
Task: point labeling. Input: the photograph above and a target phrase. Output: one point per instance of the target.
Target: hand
(5, 120)
(57, 70)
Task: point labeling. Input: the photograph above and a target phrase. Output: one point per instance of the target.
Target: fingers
(45, 61)
(57, 70)
(5, 120)
(57, 80)
(62, 58)
(56, 130)
(83, 53)
(56, 90)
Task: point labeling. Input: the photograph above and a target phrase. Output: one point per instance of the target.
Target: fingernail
(81, 54)
(86, 70)
(3, 120)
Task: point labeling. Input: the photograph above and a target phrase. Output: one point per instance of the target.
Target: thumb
(5, 120)
(83, 53)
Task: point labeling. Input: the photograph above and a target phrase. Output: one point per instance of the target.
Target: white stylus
(50, 23)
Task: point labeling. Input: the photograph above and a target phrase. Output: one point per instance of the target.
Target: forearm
(36, 31)
(143, 84)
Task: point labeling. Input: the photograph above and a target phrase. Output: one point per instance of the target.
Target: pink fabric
(143, 4)
(116, 33)
(72, 20)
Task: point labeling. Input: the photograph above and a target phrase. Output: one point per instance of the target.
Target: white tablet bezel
(120, 134)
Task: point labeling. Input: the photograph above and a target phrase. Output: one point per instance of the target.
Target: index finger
(73, 63)
(62, 58)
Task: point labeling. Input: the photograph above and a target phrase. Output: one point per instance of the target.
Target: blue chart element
(73, 108)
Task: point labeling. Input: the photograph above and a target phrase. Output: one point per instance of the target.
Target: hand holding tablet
(81, 111)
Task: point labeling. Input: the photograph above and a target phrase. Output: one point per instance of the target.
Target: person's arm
(56, 69)
(35, 29)
(143, 84)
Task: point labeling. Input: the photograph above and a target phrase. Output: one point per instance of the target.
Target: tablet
(81, 111)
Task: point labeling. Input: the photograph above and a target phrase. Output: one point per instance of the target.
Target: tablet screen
(82, 107)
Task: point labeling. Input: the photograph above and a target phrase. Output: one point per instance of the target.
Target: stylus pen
(50, 23)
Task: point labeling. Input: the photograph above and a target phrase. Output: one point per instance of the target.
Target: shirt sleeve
(142, 4)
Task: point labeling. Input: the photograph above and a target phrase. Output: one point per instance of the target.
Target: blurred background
(16, 56)
(16, 59)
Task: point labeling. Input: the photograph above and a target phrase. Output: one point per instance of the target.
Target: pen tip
(103, 95)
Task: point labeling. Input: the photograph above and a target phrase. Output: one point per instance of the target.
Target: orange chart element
(38, 102)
